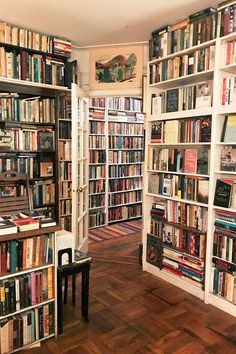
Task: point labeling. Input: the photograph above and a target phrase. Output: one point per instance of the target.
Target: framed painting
(114, 68)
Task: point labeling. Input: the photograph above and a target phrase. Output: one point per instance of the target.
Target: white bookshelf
(116, 104)
(217, 112)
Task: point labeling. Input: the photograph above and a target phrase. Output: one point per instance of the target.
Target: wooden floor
(133, 312)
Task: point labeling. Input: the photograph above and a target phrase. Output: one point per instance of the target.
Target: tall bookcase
(185, 228)
(35, 138)
(116, 155)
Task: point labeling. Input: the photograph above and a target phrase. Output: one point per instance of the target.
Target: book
(202, 161)
(81, 257)
(171, 131)
(154, 250)
(6, 139)
(228, 158)
(47, 222)
(172, 100)
(223, 192)
(205, 130)
(46, 169)
(204, 94)
(157, 132)
(203, 191)
(45, 140)
(190, 161)
(153, 183)
(7, 227)
(229, 129)
(25, 224)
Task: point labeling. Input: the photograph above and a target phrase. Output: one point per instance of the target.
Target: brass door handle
(80, 189)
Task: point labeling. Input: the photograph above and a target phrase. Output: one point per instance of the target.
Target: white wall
(82, 55)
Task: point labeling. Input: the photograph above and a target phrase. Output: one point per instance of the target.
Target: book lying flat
(7, 227)
(25, 224)
(81, 257)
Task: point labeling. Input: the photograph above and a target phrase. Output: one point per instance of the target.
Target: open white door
(80, 117)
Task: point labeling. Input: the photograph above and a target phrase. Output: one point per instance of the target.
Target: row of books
(192, 130)
(182, 98)
(32, 67)
(121, 142)
(181, 187)
(65, 189)
(31, 109)
(125, 129)
(224, 245)
(229, 53)
(96, 128)
(97, 172)
(184, 240)
(65, 170)
(26, 163)
(23, 254)
(124, 103)
(228, 91)
(187, 267)
(97, 142)
(97, 102)
(96, 201)
(26, 290)
(27, 327)
(66, 207)
(186, 215)
(227, 20)
(198, 61)
(116, 185)
(97, 186)
(198, 28)
(32, 139)
(125, 156)
(97, 156)
(125, 212)
(43, 193)
(21, 37)
(225, 193)
(66, 222)
(97, 218)
(180, 160)
(64, 150)
(125, 171)
(64, 130)
(124, 198)
(95, 113)
(126, 116)
(224, 281)
(64, 111)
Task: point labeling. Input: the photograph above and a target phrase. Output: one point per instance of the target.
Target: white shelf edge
(226, 172)
(222, 304)
(124, 177)
(120, 205)
(179, 144)
(182, 114)
(179, 173)
(96, 208)
(30, 270)
(186, 201)
(33, 84)
(174, 280)
(226, 209)
(125, 219)
(184, 51)
(128, 190)
(25, 309)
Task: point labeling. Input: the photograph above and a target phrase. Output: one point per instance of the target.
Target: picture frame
(116, 67)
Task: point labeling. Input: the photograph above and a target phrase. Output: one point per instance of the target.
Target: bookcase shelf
(184, 80)
(218, 234)
(122, 131)
(42, 87)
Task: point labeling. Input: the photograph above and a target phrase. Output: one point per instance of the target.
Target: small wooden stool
(63, 271)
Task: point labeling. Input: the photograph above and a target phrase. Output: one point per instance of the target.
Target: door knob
(80, 189)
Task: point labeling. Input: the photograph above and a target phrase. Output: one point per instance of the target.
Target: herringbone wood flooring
(133, 312)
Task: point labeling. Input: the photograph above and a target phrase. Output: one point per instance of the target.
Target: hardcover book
(153, 183)
(229, 129)
(154, 250)
(190, 161)
(205, 130)
(157, 132)
(203, 94)
(46, 169)
(228, 158)
(202, 161)
(46, 140)
(223, 193)
(203, 190)
(172, 100)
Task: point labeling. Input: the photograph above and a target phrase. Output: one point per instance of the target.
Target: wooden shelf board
(30, 233)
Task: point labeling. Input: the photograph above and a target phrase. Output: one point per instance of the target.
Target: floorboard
(133, 312)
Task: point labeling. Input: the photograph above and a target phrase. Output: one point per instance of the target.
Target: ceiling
(99, 22)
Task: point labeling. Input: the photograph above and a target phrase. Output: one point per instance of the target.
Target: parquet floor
(133, 312)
